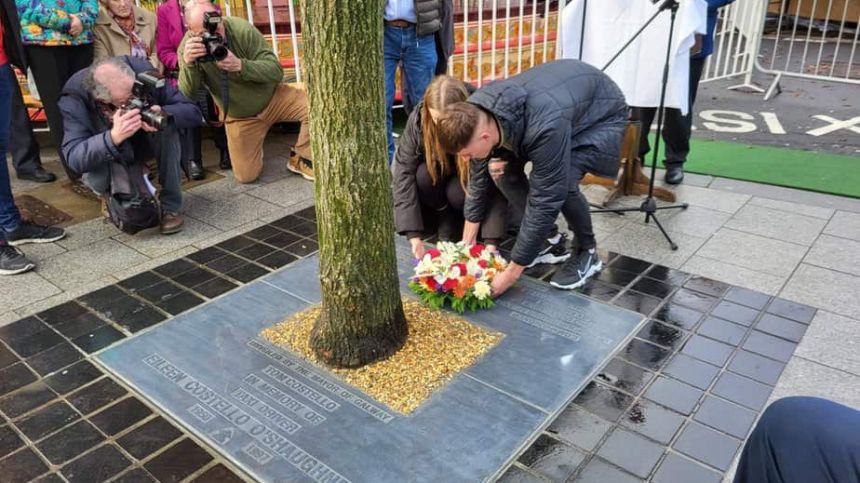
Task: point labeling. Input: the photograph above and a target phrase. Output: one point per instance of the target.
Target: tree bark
(362, 315)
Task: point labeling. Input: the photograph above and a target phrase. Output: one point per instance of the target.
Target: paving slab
(777, 224)
(734, 274)
(825, 289)
(844, 224)
(834, 341)
(647, 243)
(835, 253)
(795, 208)
(754, 252)
(90, 262)
(803, 377)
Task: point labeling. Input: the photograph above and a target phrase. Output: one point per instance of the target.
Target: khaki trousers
(245, 136)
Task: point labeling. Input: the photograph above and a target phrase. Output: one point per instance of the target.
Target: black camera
(213, 41)
(141, 99)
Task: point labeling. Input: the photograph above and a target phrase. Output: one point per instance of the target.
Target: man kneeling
(105, 133)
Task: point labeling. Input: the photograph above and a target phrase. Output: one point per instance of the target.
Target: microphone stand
(649, 205)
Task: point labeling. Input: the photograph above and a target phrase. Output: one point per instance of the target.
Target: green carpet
(825, 173)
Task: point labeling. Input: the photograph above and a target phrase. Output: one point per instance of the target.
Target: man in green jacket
(246, 85)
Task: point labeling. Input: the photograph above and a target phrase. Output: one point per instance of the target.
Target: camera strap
(225, 92)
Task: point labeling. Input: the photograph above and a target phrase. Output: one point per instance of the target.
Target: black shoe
(39, 176)
(195, 170)
(674, 174)
(13, 262)
(577, 270)
(31, 233)
(552, 253)
(225, 162)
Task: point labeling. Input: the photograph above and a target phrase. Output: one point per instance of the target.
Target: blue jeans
(418, 55)
(9, 216)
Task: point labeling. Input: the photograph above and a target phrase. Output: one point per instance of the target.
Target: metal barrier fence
(736, 42)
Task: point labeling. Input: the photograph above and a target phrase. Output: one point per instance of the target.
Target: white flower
(482, 290)
(425, 266)
(473, 268)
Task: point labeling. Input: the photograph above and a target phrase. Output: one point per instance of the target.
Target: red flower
(483, 263)
(433, 253)
(476, 250)
(449, 285)
(431, 283)
(462, 267)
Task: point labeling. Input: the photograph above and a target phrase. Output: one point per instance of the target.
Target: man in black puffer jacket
(568, 119)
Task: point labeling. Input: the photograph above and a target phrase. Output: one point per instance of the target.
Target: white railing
(736, 43)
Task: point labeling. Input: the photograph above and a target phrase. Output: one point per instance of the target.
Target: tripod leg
(672, 244)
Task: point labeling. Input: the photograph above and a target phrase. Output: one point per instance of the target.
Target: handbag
(131, 206)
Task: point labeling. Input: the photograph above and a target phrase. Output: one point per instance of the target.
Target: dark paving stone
(79, 326)
(735, 313)
(96, 395)
(580, 428)
(674, 394)
(138, 475)
(144, 316)
(26, 399)
(282, 239)
(98, 339)
(98, 465)
(9, 441)
(120, 416)
(693, 300)
(644, 354)
(194, 277)
(692, 371)
(255, 251)
(235, 244)
(598, 471)
(178, 462)
(756, 367)
(70, 442)
(625, 376)
(725, 416)
(124, 309)
(603, 401)
(631, 452)
(539, 271)
(288, 221)
(600, 291)
(160, 291)
(662, 334)
(515, 475)
(33, 344)
(174, 268)
(140, 281)
(47, 420)
(781, 327)
(102, 299)
(277, 259)
(741, 390)
(262, 232)
(303, 248)
(723, 331)
(21, 329)
(308, 213)
(55, 358)
(707, 446)
(50, 478)
(218, 474)
(667, 275)
(750, 298)
(653, 287)
(247, 273)
(677, 469)
(615, 277)
(149, 438)
(180, 303)
(791, 310)
(7, 358)
(215, 287)
(653, 421)
(62, 313)
(304, 228)
(73, 377)
(14, 377)
(226, 263)
(679, 316)
(628, 264)
(552, 458)
(769, 346)
(637, 302)
(22, 467)
(707, 286)
(708, 350)
(206, 255)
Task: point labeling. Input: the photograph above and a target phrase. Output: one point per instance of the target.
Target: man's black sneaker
(577, 270)
(552, 253)
(31, 233)
(13, 262)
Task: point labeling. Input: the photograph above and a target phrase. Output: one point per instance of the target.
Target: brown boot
(171, 223)
(104, 208)
(301, 166)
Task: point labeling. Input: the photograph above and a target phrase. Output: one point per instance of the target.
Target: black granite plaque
(281, 418)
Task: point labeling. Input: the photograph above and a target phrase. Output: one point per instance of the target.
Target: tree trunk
(362, 316)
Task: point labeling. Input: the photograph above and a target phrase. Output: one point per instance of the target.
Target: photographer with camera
(232, 59)
(117, 115)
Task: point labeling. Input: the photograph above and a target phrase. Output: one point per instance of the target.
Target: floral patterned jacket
(47, 22)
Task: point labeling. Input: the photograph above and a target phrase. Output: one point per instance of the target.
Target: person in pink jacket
(171, 29)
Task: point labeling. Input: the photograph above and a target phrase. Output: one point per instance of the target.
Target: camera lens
(219, 52)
